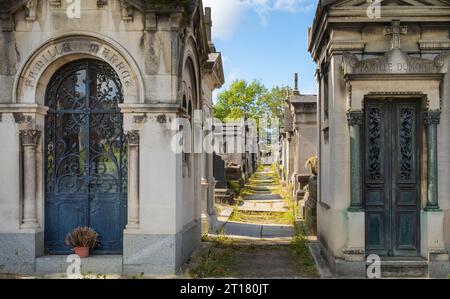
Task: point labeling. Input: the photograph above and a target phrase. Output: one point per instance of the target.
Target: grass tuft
(300, 250)
(216, 262)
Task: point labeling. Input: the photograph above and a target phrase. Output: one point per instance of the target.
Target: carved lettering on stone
(394, 62)
(55, 51)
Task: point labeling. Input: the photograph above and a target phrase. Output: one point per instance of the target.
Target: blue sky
(264, 40)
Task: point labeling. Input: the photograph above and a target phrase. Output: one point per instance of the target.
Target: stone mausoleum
(384, 143)
(298, 139)
(89, 94)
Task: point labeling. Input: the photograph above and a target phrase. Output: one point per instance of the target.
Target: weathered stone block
(18, 252)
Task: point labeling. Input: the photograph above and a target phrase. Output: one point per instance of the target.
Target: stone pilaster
(431, 120)
(432, 217)
(133, 179)
(29, 139)
(355, 120)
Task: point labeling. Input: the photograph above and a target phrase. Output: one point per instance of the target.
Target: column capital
(431, 117)
(132, 137)
(354, 118)
(30, 137)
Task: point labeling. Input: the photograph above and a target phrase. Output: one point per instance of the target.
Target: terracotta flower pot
(82, 251)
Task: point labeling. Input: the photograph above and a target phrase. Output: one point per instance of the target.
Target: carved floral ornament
(354, 118)
(30, 137)
(431, 117)
(132, 137)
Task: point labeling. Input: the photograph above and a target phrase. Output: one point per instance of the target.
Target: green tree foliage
(250, 100)
(272, 102)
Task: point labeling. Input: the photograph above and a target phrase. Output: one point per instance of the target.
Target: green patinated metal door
(392, 177)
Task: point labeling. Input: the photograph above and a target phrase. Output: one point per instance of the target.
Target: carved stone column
(355, 249)
(29, 140)
(431, 120)
(355, 119)
(133, 179)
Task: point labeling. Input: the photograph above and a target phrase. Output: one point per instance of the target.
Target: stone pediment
(10, 6)
(365, 3)
(395, 62)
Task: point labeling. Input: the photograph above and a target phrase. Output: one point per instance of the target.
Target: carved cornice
(434, 44)
(431, 117)
(355, 118)
(169, 5)
(132, 137)
(334, 46)
(30, 137)
(396, 93)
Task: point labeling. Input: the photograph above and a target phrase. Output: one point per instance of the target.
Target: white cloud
(227, 14)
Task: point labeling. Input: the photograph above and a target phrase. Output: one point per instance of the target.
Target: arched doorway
(86, 156)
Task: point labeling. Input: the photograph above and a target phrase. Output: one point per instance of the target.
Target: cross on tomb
(395, 30)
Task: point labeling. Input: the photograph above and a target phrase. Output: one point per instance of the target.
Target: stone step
(226, 212)
(265, 176)
(399, 268)
(95, 264)
(260, 187)
(224, 196)
(262, 197)
(256, 192)
(263, 183)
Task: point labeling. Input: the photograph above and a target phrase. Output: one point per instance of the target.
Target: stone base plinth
(352, 266)
(95, 264)
(18, 252)
(159, 254)
(150, 254)
(208, 223)
(432, 234)
(356, 243)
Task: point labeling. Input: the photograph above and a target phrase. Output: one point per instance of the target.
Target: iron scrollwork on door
(86, 148)
(374, 146)
(406, 133)
(86, 155)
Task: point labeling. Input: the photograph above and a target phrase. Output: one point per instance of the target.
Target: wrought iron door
(392, 177)
(86, 156)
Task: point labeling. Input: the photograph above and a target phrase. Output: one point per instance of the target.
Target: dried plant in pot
(82, 239)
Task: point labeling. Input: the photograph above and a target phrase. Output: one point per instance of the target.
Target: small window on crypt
(326, 94)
